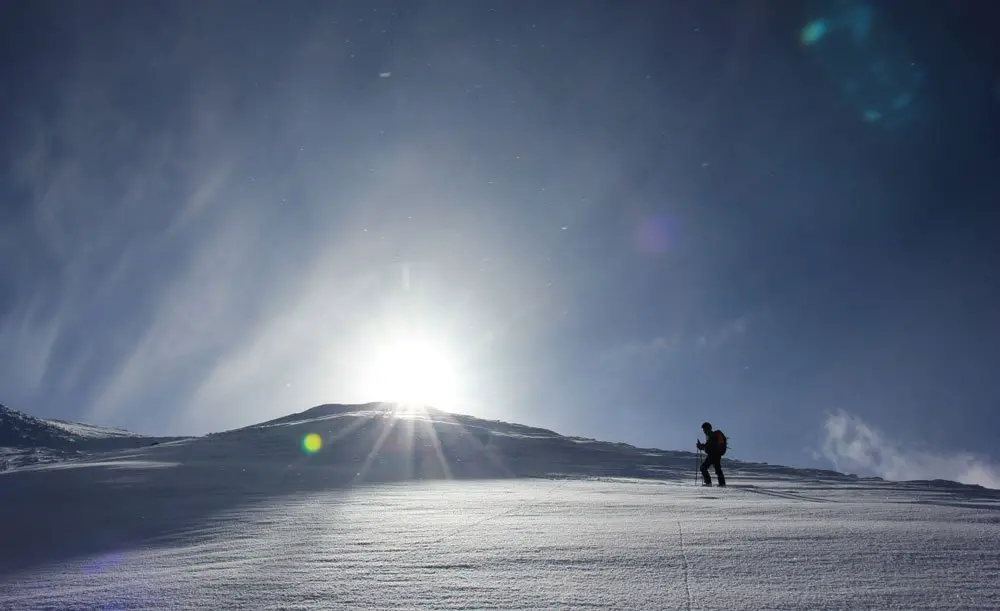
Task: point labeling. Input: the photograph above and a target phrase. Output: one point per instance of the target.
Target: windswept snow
(88, 430)
(396, 513)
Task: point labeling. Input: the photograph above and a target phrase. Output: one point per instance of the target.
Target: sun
(412, 372)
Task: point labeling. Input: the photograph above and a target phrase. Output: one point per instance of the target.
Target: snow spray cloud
(852, 445)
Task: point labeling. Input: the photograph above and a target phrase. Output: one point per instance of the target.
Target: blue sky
(615, 220)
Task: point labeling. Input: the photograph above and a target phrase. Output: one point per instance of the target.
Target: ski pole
(697, 467)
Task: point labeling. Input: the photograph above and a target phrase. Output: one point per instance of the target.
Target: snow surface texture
(436, 511)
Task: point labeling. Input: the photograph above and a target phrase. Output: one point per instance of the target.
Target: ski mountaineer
(714, 447)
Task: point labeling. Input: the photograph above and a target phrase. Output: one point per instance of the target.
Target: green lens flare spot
(311, 443)
(813, 32)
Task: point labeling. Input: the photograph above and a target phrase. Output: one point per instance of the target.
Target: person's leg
(704, 471)
(717, 463)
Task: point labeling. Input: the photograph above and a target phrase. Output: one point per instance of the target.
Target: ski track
(537, 544)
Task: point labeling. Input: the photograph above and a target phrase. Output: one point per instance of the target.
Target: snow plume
(852, 445)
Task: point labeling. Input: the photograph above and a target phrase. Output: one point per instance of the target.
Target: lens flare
(651, 235)
(813, 32)
(311, 443)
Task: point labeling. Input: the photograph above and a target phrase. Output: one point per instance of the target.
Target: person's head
(706, 427)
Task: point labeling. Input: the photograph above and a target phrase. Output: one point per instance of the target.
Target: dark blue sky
(613, 219)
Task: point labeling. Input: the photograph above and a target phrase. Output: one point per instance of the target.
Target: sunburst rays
(404, 442)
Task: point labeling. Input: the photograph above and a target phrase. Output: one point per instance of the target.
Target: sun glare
(412, 373)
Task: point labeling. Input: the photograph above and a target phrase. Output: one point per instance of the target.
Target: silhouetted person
(714, 447)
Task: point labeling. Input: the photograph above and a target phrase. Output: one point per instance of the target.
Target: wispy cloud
(724, 333)
(640, 350)
(854, 446)
(123, 247)
(195, 321)
(26, 341)
(658, 346)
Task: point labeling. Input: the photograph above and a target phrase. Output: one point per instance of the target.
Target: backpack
(720, 438)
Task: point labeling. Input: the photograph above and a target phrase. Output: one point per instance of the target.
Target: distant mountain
(25, 439)
(18, 429)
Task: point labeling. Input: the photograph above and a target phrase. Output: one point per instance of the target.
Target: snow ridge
(27, 440)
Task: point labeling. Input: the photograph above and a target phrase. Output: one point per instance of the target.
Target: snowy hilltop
(27, 440)
(376, 507)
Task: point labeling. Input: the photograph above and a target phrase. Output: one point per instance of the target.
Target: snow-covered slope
(433, 511)
(89, 431)
(27, 440)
